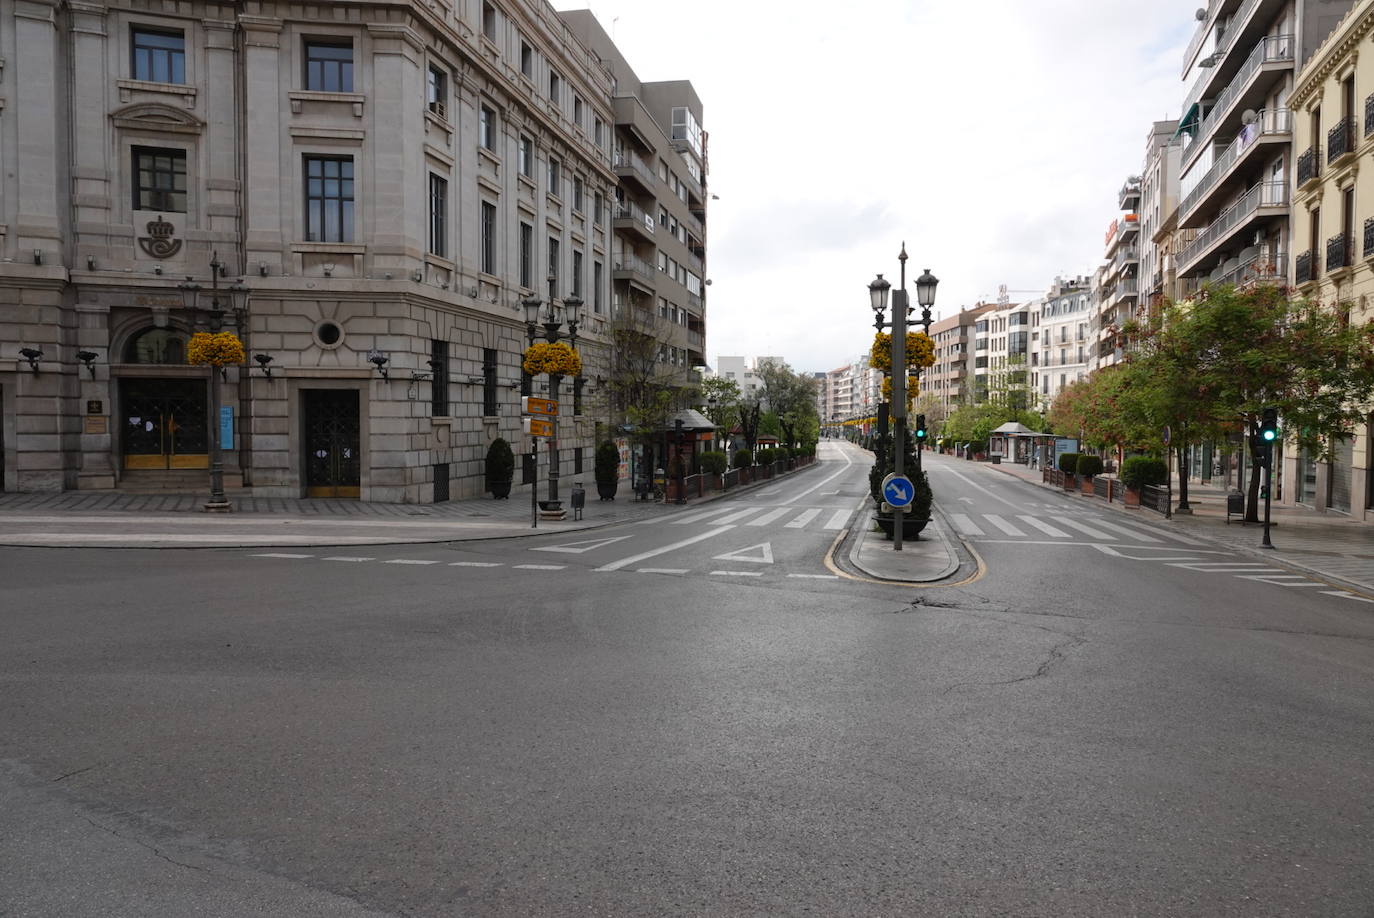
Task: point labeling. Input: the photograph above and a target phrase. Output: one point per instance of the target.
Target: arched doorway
(165, 420)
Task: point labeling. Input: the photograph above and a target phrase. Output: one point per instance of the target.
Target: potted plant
(712, 464)
(915, 516)
(1068, 464)
(676, 470)
(1138, 472)
(500, 468)
(1087, 467)
(607, 470)
(744, 461)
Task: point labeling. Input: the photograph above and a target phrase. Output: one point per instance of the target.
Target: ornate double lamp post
(552, 318)
(215, 317)
(878, 292)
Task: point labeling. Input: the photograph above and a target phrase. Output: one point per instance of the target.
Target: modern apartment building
(1237, 132)
(1333, 229)
(1118, 283)
(1065, 342)
(950, 378)
(390, 183)
(1009, 352)
(1158, 209)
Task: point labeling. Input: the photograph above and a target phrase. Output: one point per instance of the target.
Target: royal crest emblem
(159, 242)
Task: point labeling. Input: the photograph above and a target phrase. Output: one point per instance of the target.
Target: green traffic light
(1270, 434)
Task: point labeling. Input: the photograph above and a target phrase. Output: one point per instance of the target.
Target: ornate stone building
(390, 182)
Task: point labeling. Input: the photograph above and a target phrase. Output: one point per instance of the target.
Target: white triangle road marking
(582, 547)
(764, 554)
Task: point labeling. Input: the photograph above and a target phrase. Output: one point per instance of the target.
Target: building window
(555, 85)
(526, 157)
(577, 274)
(526, 60)
(329, 66)
(489, 408)
(598, 275)
(554, 171)
(438, 216)
(526, 255)
(159, 179)
(488, 237)
(577, 193)
(599, 133)
(489, 21)
(597, 203)
(438, 363)
(488, 128)
(158, 56)
(437, 94)
(577, 409)
(553, 266)
(329, 199)
(577, 112)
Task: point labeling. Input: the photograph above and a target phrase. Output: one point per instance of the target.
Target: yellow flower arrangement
(220, 349)
(913, 388)
(920, 351)
(556, 359)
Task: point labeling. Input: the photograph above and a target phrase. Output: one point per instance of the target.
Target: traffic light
(921, 427)
(1269, 425)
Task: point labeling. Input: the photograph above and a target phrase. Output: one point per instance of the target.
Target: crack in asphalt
(79, 771)
(1055, 655)
(143, 844)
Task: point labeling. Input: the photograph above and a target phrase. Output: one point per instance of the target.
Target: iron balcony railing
(624, 160)
(1339, 252)
(1265, 194)
(1369, 115)
(1369, 237)
(1302, 267)
(636, 265)
(1309, 165)
(1263, 266)
(1272, 50)
(1340, 140)
(1268, 123)
(694, 300)
(629, 210)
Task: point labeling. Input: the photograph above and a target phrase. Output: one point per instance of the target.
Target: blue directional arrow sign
(898, 490)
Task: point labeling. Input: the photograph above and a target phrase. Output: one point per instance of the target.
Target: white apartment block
(1065, 340)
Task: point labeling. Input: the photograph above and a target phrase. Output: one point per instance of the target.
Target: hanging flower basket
(920, 351)
(913, 388)
(556, 359)
(220, 349)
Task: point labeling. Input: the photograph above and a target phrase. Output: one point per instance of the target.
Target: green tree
(790, 397)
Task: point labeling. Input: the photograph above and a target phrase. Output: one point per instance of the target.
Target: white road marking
(474, 564)
(408, 561)
(1287, 583)
(696, 517)
(644, 556)
(824, 481)
(540, 567)
(342, 558)
(1214, 568)
(1271, 578)
(280, 554)
(1046, 528)
(964, 524)
(838, 520)
(661, 570)
(736, 573)
(971, 483)
(1129, 533)
(803, 518)
(816, 576)
(1344, 595)
(582, 547)
(736, 517)
(769, 517)
(1002, 524)
(1086, 530)
(764, 556)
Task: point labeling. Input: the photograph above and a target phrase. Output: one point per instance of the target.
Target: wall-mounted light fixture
(90, 262)
(157, 269)
(263, 361)
(262, 269)
(328, 269)
(379, 360)
(32, 355)
(88, 358)
(38, 256)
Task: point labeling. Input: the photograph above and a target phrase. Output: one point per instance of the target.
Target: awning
(1188, 123)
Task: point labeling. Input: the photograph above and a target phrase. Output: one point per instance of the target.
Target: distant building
(1065, 339)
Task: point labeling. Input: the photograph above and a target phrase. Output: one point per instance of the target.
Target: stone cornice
(1338, 47)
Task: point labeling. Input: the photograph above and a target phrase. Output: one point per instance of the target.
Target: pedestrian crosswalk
(1057, 525)
(821, 518)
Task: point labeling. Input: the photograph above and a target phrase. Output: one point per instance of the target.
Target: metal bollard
(579, 500)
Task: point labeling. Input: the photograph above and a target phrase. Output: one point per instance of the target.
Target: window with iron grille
(488, 237)
(159, 179)
(438, 216)
(578, 382)
(329, 66)
(328, 199)
(489, 408)
(526, 255)
(438, 363)
(159, 56)
(598, 276)
(553, 266)
(436, 96)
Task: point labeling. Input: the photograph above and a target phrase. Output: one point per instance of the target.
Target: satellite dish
(1200, 15)
(1249, 116)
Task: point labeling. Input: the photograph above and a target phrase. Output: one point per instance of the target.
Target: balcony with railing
(629, 166)
(1261, 200)
(1258, 267)
(1340, 251)
(1302, 267)
(632, 267)
(1126, 288)
(1127, 255)
(1308, 166)
(1246, 89)
(629, 215)
(1270, 126)
(1340, 140)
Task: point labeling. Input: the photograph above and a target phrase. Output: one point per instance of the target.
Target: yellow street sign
(538, 427)
(545, 406)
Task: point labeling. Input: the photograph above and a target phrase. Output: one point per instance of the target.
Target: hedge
(712, 462)
(1088, 465)
(1068, 463)
(1140, 471)
(743, 458)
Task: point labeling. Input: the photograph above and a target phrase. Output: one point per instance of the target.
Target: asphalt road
(695, 718)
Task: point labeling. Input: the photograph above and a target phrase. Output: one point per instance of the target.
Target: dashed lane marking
(540, 567)
(344, 558)
(736, 573)
(805, 517)
(662, 570)
(1344, 595)
(815, 576)
(280, 554)
(475, 564)
(408, 561)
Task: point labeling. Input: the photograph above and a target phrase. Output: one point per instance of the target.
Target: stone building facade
(391, 182)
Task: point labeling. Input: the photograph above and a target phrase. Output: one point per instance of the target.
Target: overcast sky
(991, 136)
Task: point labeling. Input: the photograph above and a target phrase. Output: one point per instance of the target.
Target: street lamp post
(216, 319)
(553, 319)
(901, 309)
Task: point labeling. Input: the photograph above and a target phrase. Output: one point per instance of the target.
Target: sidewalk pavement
(1327, 545)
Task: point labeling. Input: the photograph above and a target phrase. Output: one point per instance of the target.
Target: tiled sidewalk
(1328, 545)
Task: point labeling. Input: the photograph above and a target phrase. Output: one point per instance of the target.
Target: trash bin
(1235, 503)
(579, 500)
(996, 458)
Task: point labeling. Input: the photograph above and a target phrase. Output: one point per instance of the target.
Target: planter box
(911, 529)
(1070, 482)
(1132, 497)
